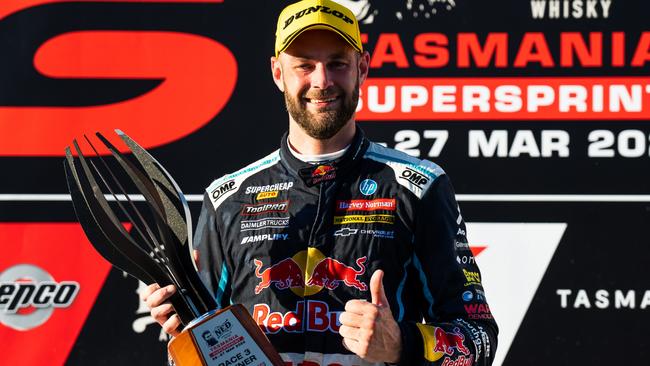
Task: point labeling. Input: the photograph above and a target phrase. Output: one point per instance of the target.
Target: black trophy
(158, 249)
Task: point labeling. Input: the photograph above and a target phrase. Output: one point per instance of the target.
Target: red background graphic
(62, 250)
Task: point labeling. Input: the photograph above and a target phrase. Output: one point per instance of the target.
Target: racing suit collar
(314, 174)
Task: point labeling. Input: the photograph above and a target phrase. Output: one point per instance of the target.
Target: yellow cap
(316, 14)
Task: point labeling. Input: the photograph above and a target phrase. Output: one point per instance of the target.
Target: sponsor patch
(388, 204)
(282, 186)
(223, 189)
(346, 231)
(364, 219)
(418, 179)
(309, 315)
(263, 237)
(368, 187)
(262, 208)
(439, 343)
(267, 195)
(265, 223)
(478, 311)
(473, 278)
(460, 361)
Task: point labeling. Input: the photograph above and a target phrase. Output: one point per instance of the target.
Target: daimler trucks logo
(29, 295)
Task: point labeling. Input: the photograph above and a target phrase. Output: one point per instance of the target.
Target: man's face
(320, 75)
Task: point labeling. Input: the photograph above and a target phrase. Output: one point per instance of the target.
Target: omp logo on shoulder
(223, 188)
(24, 286)
(262, 208)
(263, 237)
(417, 178)
(317, 8)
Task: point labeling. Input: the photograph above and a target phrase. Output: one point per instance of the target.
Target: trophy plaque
(157, 248)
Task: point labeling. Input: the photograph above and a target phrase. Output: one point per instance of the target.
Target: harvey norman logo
(367, 205)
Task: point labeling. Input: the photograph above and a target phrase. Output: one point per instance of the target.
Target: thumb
(377, 294)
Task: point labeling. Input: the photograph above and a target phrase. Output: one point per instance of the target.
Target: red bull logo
(308, 272)
(460, 361)
(284, 274)
(321, 170)
(446, 342)
(310, 315)
(329, 273)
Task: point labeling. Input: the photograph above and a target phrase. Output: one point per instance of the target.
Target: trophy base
(225, 337)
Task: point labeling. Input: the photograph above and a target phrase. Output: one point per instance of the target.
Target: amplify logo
(27, 286)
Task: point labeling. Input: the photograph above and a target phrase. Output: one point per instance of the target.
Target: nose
(320, 77)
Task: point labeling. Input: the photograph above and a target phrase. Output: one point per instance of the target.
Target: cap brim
(292, 37)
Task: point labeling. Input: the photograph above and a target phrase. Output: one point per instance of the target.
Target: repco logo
(414, 177)
(225, 187)
(23, 286)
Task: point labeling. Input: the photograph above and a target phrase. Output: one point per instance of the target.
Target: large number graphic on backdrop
(196, 76)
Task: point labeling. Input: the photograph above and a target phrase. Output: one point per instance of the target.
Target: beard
(326, 122)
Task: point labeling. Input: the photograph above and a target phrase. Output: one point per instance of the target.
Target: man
(337, 246)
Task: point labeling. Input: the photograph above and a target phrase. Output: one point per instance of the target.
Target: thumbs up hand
(368, 329)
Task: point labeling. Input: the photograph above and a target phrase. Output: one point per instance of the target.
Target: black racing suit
(293, 242)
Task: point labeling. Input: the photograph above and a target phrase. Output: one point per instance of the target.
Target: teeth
(323, 100)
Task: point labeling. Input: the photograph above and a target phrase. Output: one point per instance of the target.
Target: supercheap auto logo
(308, 272)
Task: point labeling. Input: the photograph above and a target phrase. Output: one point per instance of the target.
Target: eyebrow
(334, 56)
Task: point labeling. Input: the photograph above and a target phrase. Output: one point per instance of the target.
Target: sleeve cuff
(412, 346)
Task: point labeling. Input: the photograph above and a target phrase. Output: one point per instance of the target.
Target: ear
(276, 72)
(364, 62)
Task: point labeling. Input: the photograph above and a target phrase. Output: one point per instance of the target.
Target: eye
(337, 65)
(304, 67)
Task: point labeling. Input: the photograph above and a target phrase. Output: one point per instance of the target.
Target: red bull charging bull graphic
(284, 274)
(329, 273)
(308, 272)
(447, 342)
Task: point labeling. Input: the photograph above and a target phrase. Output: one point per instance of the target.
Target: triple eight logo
(308, 272)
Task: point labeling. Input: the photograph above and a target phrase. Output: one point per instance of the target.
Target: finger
(144, 294)
(377, 294)
(351, 333)
(160, 296)
(358, 306)
(350, 344)
(171, 325)
(162, 313)
(351, 319)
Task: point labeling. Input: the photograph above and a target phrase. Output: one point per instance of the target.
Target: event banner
(539, 111)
